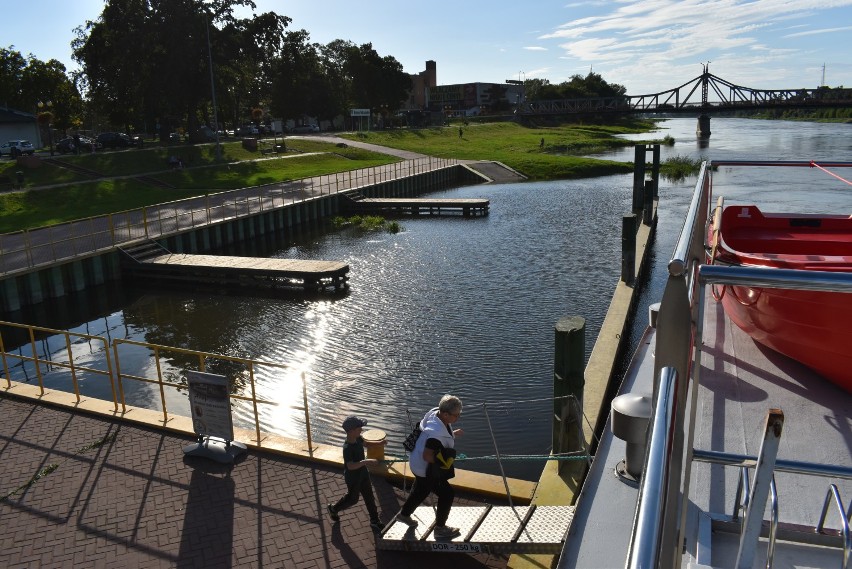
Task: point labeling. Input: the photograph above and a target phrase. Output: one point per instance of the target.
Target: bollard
(374, 443)
(568, 379)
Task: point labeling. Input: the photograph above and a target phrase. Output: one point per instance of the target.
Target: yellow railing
(49, 361)
(156, 354)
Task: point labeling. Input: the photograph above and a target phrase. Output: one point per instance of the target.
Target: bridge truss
(695, 97)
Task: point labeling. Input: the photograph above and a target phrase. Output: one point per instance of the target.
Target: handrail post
(307, 415)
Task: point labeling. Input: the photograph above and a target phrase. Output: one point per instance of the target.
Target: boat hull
(812, 327)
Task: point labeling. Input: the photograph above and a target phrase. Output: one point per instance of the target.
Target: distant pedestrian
(76, 143)
(541, 144)
(432, 465)
(356, 474)
(460, 132)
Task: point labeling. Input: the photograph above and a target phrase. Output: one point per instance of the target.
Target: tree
(24, 82)
(167, 41)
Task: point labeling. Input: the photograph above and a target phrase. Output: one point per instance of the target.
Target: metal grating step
(485, 529)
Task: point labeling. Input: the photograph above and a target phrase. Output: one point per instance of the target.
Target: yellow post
(374, 442)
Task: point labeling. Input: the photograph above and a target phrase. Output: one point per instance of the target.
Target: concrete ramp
(484, 529)
(495, 172)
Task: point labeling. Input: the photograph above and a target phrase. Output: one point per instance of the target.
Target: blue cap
(353, 422)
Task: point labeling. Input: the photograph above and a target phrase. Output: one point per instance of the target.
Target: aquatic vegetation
(679, 168)
(368, 223)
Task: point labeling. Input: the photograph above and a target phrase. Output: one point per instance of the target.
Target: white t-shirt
(433, 428)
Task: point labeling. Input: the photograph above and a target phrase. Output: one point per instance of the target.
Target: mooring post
(628, 248)
(638, 176)
(568, 383)
(648, 203)
(655, 170)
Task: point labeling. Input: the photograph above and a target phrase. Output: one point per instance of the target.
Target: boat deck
(740, 382)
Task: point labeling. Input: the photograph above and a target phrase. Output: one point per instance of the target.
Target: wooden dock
(154, 262)
(467, 207)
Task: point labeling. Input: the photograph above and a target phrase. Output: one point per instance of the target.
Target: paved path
(136, 501)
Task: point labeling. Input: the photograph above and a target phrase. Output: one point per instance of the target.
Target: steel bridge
(695, 97)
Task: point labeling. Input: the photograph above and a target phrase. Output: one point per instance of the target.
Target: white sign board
(210, 404)
(359, 112)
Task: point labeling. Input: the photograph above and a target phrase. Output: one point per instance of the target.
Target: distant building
(466, 99)
(418, 97)
(18, 125)
(471, 99)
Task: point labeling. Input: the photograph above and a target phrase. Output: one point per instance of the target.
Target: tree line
(158, 63)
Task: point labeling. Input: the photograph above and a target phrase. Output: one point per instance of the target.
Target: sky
(648, 46)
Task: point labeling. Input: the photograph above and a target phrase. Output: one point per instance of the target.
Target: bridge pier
(703, 130)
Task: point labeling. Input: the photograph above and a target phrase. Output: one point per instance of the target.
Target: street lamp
(213, 93)
(45, 117)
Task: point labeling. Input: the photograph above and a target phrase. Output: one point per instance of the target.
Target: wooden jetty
(467, 207)
(153, 261)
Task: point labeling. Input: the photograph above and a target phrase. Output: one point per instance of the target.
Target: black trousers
(359, 487)
(422, 487)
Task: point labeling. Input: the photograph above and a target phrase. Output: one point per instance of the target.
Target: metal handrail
(773, 524)
(681, 316)
(680, 259)
(25, 250)
(649, 520)
(781, 465)
(844, 521)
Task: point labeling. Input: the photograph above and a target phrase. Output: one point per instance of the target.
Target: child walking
(356, 474)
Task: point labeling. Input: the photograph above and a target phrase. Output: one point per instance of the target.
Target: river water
(448, 305)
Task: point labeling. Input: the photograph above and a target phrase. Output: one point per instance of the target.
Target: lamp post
(45, 117)
(213, 93)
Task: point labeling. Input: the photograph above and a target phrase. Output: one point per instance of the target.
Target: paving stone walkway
(117, 495)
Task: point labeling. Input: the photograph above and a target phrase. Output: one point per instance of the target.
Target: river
(448, 305)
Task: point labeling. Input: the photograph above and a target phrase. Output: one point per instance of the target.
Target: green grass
(519, 146)
(64, 195)
(24, 210)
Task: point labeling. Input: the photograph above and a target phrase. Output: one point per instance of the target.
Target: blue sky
(648, 46)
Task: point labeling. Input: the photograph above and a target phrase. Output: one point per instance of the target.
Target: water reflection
(449, 305)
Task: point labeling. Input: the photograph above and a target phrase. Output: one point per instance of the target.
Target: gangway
(484, 529)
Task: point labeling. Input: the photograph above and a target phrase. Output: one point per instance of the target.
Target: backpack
(411, 439)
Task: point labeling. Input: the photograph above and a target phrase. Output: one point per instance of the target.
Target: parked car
(247, 130)
(306, 128)
(15, 148)
(117, 140)
(67, 145)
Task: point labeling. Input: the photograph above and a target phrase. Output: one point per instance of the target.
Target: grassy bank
(56, 194)
(540, 153)
(76, 196)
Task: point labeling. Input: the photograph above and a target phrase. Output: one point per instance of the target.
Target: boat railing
(834, 494)
(648, 535)
(660, 517)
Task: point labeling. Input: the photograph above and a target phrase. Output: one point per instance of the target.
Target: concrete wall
(72, 276)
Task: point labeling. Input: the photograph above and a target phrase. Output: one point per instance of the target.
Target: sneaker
(446, 532)
(406, 519)
(332, 514)
(377, 525)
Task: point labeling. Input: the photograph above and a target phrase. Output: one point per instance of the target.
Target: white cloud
(653, 45)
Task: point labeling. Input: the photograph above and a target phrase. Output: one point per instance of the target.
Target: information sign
(210, 404)
(359, 112)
